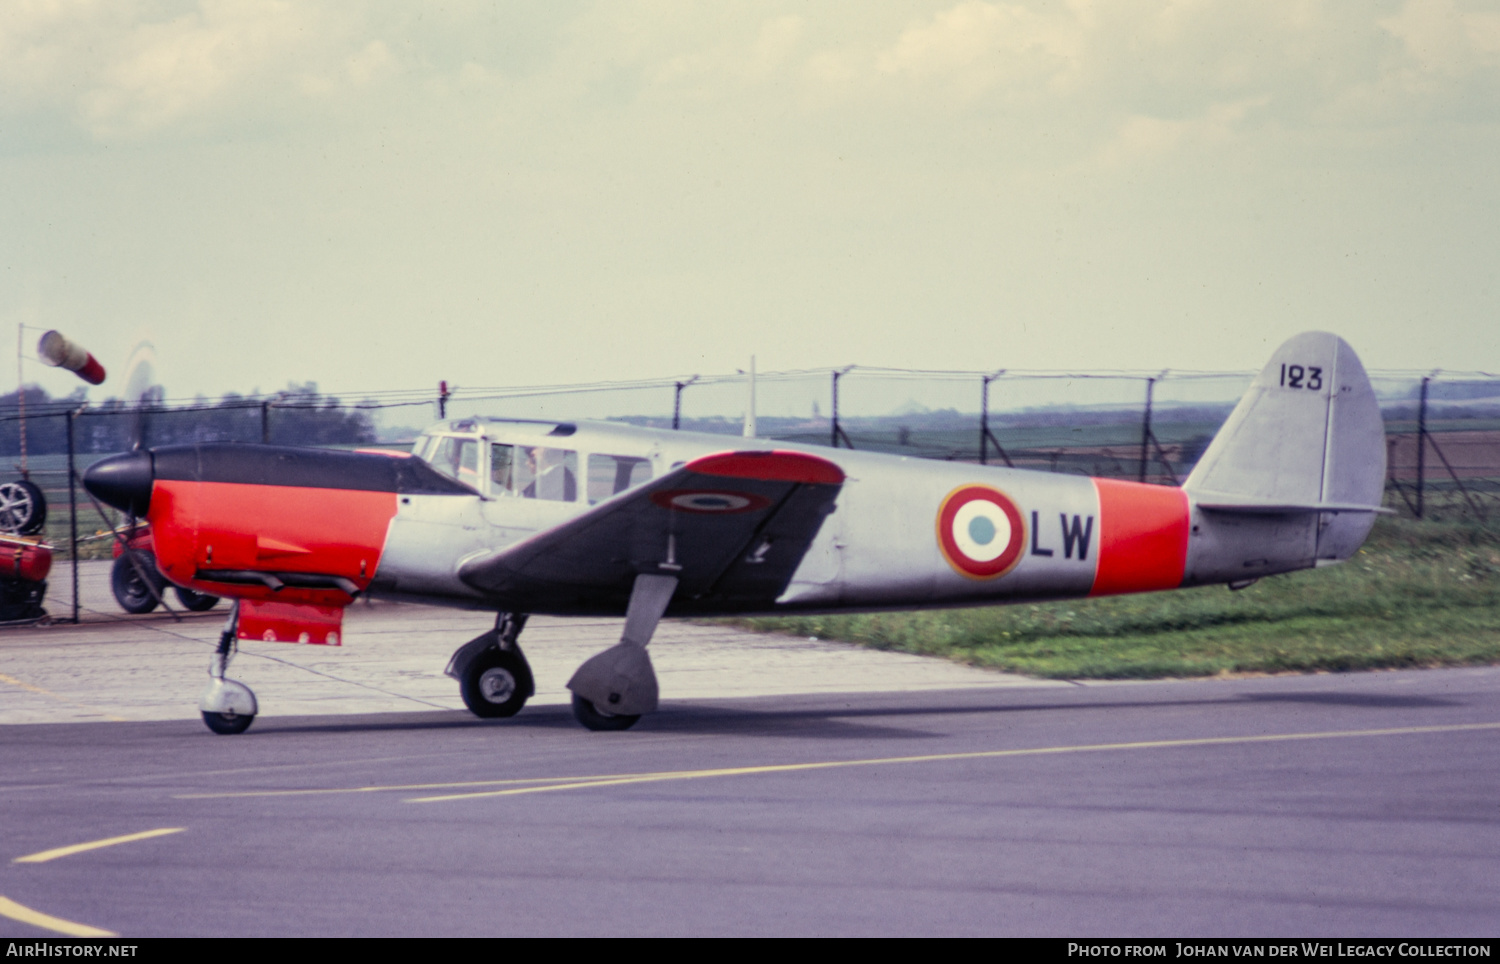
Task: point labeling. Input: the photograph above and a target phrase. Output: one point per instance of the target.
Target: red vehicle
(25, 560)
(129, 578)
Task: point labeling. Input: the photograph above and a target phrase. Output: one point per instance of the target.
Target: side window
(444, 456)
(502, 469)
(457, 458)
(545, 473)
(468, 462)
(612, 474)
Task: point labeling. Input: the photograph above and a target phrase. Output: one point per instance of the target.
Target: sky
(378, 196)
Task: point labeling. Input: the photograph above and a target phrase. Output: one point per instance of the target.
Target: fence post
(21, 395)
(836, 432)
(265, 421)
(73, 510)
(1146, 427)
(986, 437)
(677, 402)
(1421, 442)
(984, 420)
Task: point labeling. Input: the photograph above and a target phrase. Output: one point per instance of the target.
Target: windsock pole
(21, 394)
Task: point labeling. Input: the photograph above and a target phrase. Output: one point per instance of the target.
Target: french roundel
(709, 500)
(980, 531)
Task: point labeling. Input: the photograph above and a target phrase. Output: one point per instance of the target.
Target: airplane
(516, 517)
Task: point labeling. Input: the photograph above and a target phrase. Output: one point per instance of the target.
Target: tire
(198, 602)
(591, 717)
(227, 724)
(20, 599)
(23, 508)
(496, 683)
(132, 592)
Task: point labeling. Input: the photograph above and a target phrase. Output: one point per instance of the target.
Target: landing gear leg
(493, 675)
(612, 689)
(228, 707)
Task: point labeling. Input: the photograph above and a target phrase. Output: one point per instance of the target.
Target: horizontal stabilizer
(1273, 507)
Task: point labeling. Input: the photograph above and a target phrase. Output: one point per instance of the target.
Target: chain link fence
(1442, 429)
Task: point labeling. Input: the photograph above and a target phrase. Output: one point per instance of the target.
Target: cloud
(131, 70)
(975, 47)
(1129, 72)
(1143, 139)
(1441, 38)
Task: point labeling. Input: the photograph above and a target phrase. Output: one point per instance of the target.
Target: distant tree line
(298, 416)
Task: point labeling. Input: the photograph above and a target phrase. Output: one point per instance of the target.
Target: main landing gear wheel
(131, 591)
(496, 683)
(585, 712)
(227, 724)
(23, 509)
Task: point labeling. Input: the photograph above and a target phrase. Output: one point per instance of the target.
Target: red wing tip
(773, 466)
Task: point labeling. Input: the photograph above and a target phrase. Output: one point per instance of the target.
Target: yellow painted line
(15, 911)
(319, 791)
(944, 757)
(78, 848)
(61, 699)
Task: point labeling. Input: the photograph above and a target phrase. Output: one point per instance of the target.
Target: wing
(732, 527)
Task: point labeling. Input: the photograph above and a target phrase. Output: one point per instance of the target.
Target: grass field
(1419, 594)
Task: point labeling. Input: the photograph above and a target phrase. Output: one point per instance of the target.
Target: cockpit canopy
(531, 460)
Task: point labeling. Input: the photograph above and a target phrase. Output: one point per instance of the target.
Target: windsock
(57, 351)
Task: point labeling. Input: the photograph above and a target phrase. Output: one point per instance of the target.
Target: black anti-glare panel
(304, 467)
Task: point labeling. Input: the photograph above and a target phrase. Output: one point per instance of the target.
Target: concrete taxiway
(114, 667)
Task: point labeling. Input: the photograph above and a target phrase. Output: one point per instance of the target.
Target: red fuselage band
(1143, 537)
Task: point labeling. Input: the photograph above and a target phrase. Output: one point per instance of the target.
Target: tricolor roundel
(980, 531)
(709, 501)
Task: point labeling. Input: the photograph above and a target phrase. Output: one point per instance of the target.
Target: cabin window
(543, 473)
(502, 468)
(457, 458)
(612, 474)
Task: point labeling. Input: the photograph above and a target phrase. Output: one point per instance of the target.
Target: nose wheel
(227, 724)
(229, 706)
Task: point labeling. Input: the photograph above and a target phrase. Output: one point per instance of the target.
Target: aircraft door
(819, 578)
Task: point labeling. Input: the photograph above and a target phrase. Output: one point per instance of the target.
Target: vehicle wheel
(496, 683)
(23, 508)
(227, 724)
(131, 591)
(595, 719)
(198, 602)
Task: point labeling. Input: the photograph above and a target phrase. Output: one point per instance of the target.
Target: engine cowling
(266, 523)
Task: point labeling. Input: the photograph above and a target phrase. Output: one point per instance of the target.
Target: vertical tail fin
(1306, 439)
(1307, 434)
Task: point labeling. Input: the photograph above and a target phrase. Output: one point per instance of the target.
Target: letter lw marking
(1077, 534)
(1037, 550)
